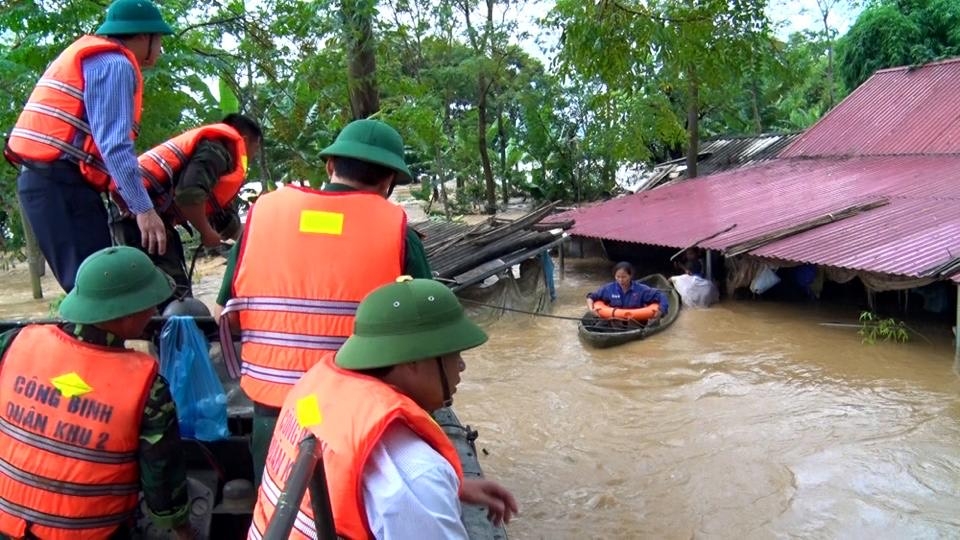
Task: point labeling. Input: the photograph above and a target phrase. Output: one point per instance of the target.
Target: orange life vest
(55, 114)
(354, 411)
(641, 314)
(70, 416)
(307, 259)
(160, 165)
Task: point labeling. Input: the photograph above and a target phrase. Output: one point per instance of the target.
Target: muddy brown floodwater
(747, 420)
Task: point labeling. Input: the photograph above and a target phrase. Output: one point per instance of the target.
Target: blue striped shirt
(109, 86)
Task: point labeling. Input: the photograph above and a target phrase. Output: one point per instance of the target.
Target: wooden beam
(832, 217)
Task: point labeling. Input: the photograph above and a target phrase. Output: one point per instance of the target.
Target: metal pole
(956, 332)
(288, 504)
(320, 501)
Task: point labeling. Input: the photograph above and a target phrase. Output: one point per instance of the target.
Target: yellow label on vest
(308, 411)
(319, 222)
(71, 385)
(243, 162)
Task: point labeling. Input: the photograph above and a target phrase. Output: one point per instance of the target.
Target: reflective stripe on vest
(303, 524)
(60, 522)
(52, 125)
(57, 113)
(69, 488)
(289, 324)
(64, 449)
(54, 84)
(280, 339)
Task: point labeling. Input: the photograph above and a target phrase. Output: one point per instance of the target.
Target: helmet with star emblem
(407, 321)
(112, 283)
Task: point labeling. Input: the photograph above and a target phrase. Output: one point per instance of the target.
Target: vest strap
(69, 149)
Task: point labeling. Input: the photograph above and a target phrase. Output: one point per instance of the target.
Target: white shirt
(410, 490)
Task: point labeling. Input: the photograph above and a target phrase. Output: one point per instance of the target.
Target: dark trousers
(264, 422)
(173, 262)
(68, 217)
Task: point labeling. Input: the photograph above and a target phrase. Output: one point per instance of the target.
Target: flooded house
(866, 197)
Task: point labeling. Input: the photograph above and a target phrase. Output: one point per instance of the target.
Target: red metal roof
(917, 231)
(899, 111)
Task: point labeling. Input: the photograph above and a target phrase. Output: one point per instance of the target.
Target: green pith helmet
(372, 141)
(112, 283)
(130, 17)
(403, 322)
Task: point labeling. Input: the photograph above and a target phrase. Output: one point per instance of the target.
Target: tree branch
(213, 22)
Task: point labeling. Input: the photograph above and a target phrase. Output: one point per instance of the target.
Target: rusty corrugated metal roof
(915, 232)
(897, 111)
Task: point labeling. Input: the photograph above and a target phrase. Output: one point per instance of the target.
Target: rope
(535, 314)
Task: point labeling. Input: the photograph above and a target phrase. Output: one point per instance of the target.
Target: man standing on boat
(193, 180)
(391, 471)
(306, 259)
(85, 423)
(76, 134)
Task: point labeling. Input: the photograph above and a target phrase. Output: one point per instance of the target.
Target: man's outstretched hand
(499, 502)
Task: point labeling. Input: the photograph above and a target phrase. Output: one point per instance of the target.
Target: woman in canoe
(627, 300)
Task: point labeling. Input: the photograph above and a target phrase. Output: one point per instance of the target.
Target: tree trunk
(361, 61)
(826, 31)
(504, 173)
(755, 102)
(693, 124)
(491, 186)
(35, 261)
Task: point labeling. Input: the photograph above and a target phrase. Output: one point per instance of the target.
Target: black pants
(67, 216)
(173, 262)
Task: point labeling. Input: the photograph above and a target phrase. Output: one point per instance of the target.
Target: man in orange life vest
(193, 180)
(391, 470)
(86, 424)
(304, 262)
(76, 133)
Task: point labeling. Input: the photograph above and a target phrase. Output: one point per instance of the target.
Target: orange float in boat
(643, 314)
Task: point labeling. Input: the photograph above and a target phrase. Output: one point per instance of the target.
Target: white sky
(788, 16)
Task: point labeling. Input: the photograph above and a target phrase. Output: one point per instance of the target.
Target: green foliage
(455, 83)
(891, 33)
(875, 329)
(228, 100)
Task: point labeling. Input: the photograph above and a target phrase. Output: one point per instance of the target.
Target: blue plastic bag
(197, 391)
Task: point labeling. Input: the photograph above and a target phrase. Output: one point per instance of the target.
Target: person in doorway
(86, 424)
(292, 312)
(626, 293)
(76, 134)
(692, 263)
(391, 470)
(193, 180)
